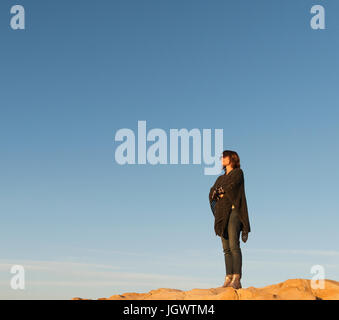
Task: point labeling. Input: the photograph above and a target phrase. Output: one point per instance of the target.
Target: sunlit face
(225, 161)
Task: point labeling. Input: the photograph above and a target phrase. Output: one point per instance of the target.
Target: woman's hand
(214, 195)
(244, 236)
(220, 192)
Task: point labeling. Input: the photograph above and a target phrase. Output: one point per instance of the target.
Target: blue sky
(82, 225)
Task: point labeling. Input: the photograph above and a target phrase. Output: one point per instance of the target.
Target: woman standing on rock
(228, 203)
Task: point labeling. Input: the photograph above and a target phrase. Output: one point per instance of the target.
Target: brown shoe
(228, 280)
(236, 284)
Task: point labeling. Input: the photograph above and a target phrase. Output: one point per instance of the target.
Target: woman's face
(225, 161)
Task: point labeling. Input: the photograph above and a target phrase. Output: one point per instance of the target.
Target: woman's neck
(228, 169)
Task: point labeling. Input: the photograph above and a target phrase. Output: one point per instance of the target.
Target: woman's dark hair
(234, 159)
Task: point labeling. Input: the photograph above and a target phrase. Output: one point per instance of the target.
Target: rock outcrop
(292, 289)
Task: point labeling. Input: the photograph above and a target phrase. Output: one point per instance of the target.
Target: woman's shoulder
(220, 177)
(237, 171)
(240, 172)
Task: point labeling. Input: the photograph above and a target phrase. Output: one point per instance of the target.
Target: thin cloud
(50, 265)
(331, 253)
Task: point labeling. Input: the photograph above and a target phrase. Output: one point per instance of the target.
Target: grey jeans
(231, 244)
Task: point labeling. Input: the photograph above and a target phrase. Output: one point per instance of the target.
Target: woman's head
(231, 158)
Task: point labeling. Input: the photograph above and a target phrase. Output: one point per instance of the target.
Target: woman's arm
(212, 204)
(210, 196)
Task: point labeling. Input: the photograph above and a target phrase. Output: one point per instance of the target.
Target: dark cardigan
(234, 185)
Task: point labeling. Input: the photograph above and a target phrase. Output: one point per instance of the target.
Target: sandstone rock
(291, 289)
